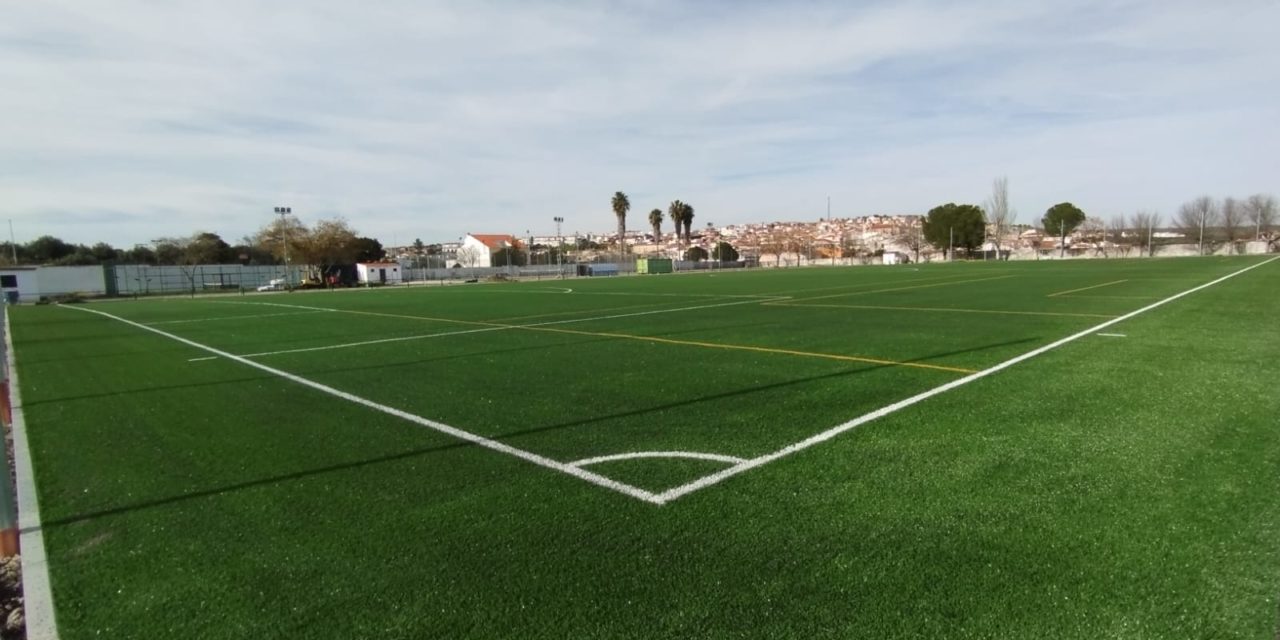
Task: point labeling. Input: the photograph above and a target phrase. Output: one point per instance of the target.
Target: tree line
(1204, 221)
(321, 246)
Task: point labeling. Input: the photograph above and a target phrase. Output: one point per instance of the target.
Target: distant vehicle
(276, 284)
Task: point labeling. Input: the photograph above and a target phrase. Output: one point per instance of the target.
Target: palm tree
(655, 221)
(676, 213)
(621, 205)
(687, 218)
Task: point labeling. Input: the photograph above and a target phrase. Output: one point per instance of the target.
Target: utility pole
(284, 212)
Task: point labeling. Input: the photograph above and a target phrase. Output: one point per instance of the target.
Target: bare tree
(1144, 225)
(1261, 210)
(1196, 219)
(912, 239)
(773, 244)
(999, 214)
(794, 243)
(1233, 216)
(1119, 235)
(1094, 231)
(469, 257)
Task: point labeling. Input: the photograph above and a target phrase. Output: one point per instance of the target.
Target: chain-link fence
(133, 280)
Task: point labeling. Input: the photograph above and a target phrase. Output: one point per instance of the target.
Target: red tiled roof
(495, 240)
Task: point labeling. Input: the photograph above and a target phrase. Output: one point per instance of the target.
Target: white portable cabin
(378, 273)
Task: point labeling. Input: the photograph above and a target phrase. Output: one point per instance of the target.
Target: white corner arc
(692, 455)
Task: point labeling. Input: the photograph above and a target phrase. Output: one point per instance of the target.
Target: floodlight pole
(559, 247)
(284, 240)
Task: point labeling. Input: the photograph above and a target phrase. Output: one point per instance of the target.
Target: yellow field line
(861, 293)
(952, 310)
(691, 343)
(1096, 286)
(741, 347)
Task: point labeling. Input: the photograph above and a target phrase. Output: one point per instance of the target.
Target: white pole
(1202, 217)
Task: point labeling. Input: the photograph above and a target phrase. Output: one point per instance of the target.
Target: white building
(477, 249)
(378, 272)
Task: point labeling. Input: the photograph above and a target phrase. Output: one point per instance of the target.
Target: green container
(653, 265)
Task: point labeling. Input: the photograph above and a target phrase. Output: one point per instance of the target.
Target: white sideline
(581, 474)
(719, 476)
(37, 596)
(694, 455)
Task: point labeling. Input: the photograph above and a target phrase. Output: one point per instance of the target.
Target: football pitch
(1066, 449)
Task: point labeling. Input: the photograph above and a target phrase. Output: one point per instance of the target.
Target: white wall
(28, 288)
(61, 280)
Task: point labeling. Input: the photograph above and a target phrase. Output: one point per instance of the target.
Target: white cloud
(130, 121)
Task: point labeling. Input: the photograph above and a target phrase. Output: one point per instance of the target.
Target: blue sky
(127, 121)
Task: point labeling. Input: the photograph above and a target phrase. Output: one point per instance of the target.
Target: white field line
(202, 359)
(694, 455)
(706, 481)
(490, 326)
(1112, 335)
(261, 315)
(36, 593)
(581, 474)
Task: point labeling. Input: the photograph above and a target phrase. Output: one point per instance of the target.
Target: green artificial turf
(1114, 487)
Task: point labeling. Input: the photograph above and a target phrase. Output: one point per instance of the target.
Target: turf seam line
(891, 289)
(37, 594)
(581, 474)
(262, 315)
(945, 309)
(485, 326)
(715, 478)
(1096, 286)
